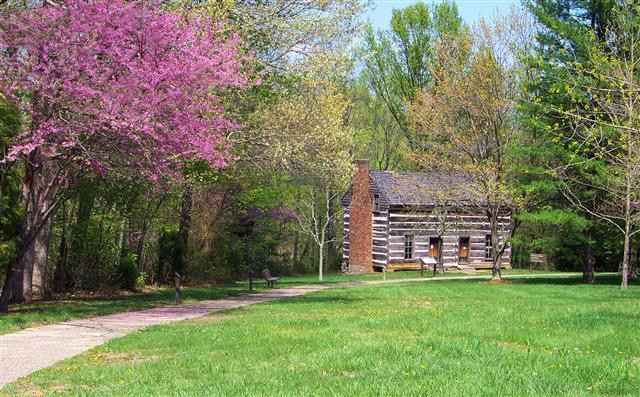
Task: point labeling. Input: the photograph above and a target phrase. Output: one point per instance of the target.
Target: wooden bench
(266, 274)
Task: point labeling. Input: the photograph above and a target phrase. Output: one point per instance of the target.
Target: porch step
(466, 269)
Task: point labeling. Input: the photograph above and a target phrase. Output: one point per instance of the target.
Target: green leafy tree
(601, 102)
(10, 193)
(398, 58)
(311, 142)
(570, 34)
(467, 125)
(378, 136)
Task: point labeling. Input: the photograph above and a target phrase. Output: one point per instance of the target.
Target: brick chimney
(360, 222)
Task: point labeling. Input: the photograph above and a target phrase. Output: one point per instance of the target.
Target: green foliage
(142, 279)
(379, 137)
(9, 123)
(127, 273)
(397, 65)
(10, 186)
(557, 233)
(171, 255)
(574, 59)
(93, 226)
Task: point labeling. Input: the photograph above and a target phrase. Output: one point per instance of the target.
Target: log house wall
(390, 225)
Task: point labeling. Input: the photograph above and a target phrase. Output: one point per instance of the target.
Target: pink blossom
(113, 83)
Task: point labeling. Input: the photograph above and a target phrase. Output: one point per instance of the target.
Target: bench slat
(266, 274)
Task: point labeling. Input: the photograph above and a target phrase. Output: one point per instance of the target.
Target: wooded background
(533, 102)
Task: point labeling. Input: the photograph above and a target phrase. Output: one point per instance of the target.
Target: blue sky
(470, 10)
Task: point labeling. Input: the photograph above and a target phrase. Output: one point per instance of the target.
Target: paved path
(31, 349)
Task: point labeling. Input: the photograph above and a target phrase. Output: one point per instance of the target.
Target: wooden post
(177, 285)
(250, 276)
(434, 268)
(384, 272)
(421, 268)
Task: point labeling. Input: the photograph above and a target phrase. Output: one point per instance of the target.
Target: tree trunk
(331, 232)
(440, 261)
(140, 245)
(185, 219)
(625, 264)
(59, 280)
(589, 267)
(13, 287)
(38, 191)
(41, 250)
(627, 237)
(633, 270)
(495, 256)
(123, 227)
(77, 246)
(143, 233)
(320, 260)
(625, 260)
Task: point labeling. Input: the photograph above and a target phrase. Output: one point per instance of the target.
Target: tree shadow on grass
(70, 307)
(600, 280)
(78, 305)
(313, 298)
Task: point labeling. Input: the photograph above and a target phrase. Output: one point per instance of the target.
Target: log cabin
(392, 219)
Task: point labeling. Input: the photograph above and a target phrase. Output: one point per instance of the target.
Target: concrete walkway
(31, 349)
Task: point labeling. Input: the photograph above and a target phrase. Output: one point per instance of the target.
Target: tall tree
(111, 84)
(567, 30)
(467, 125)
(599, 100)
(312, 143)
(397, 60)
(290, 36)
(379, 138)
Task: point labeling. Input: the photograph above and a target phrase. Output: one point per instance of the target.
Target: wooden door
(434, 247)
(463, 250)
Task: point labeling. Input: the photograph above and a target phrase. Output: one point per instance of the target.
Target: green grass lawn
(539, 336)
(336, 277)
(70, 308)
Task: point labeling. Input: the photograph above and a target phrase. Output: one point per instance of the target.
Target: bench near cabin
(271, 280)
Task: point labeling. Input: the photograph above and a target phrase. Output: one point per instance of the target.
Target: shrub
(142, 279)
(127, 272)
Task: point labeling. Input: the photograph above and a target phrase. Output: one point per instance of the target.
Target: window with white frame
(376, 202)
(488, 247)
(408, 246)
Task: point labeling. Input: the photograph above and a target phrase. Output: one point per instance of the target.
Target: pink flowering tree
(111, 85)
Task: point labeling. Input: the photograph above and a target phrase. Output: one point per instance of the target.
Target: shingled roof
(423, 189)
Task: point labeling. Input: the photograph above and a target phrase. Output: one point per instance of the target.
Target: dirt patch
(415, 303)
(120, 358)
(346, 374)
(62, 389)
(514, 345)
(503, 281)
(27, 388)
